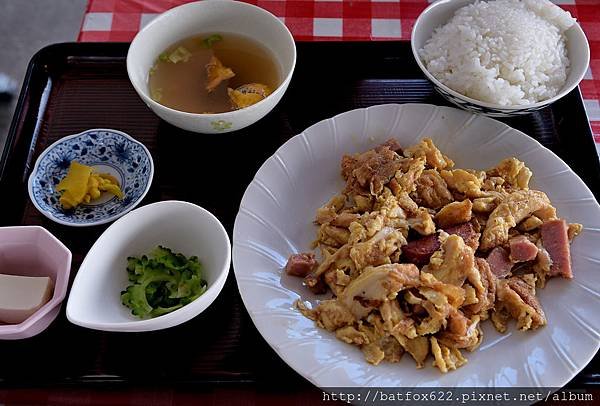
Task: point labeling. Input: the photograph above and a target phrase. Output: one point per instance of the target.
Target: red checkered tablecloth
(341, 20)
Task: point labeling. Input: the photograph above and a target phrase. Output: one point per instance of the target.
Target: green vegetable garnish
(156, 94)
(162, 282)
(211, 39)
(181, 54)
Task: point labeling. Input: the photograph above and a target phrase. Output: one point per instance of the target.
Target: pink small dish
(33, 251)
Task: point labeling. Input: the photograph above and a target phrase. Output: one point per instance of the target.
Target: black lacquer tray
(73, 87)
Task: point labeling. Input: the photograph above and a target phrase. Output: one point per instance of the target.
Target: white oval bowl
(276, 219)
(210, 16)
(440, 12)
(95, 298)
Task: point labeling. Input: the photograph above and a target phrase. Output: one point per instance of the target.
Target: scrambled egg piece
(82, 185)
(517, 298)
(432, 190)
(405, 253)
(451, 263)
(513, 171)
(515, 208)
(446, 358)
(431, 153)
(463, 182)
(454, 213)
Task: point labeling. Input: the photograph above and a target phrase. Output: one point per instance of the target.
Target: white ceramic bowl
(95, 299)
(440, 12)
(222, 16)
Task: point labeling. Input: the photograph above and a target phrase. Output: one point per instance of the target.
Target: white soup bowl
(211, 16)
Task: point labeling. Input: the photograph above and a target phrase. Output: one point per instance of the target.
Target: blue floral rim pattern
(111, 150)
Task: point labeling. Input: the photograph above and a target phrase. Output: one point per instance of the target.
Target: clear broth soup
(182, 85)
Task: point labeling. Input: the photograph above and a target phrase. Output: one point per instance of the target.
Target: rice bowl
(441, 12)
(506, 52)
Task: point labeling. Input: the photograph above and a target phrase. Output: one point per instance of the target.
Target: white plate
(275, 220)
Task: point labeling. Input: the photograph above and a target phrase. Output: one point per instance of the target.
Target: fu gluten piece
(417, 253)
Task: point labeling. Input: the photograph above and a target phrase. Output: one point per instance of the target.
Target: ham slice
(391, 144)
(556, 241)
(499, 261)
(521, 249)
(419, 251)
(301, 264)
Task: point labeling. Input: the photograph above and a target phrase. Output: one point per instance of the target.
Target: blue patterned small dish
(107, 151)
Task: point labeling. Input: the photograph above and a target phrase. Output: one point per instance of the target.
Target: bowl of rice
(500, 57)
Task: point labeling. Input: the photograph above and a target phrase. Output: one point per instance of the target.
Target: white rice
(506, 52)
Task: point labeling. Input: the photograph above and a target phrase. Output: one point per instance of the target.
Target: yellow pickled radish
(74, 186)
(82, 185)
